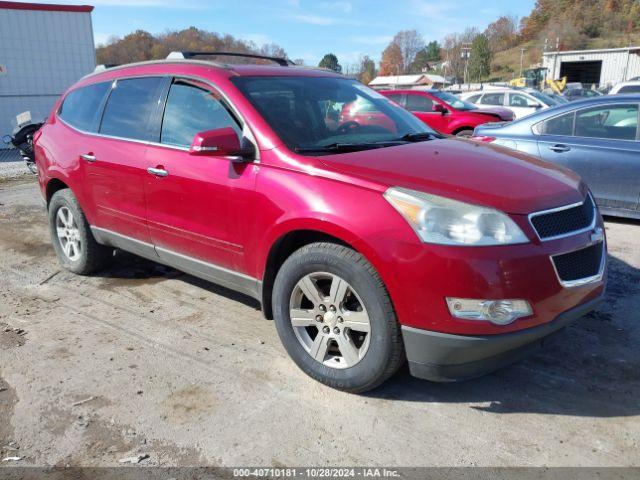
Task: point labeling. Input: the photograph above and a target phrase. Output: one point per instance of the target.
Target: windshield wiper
(420, 136)
(344, 147)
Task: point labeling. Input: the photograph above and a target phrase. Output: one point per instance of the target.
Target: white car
(521, 102)
(626, 87)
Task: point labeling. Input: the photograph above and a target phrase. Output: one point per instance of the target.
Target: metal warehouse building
(44, 49)
(604, 67)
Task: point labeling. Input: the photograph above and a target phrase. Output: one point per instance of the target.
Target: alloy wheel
(68, 234)
(330, 320)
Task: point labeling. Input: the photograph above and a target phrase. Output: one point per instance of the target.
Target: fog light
(500, 312)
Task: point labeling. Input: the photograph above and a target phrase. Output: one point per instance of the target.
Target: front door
(195, 204)
(601, 145)
(422, 107)
(115, 159)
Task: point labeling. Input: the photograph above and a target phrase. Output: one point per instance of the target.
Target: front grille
(580, 264)
(562, 222)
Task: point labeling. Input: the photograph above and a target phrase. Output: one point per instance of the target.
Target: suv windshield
(326, 115)
(454, 101)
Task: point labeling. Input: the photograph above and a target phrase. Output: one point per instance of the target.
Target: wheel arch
(290, 241)
(53, 185)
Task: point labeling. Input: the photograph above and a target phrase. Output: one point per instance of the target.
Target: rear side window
(189, 110)
(395, 97)
(130, 107)
(418, 103)
(630, 89)
(616, 122)
(82, 107)
(492, 99)
(560, 125)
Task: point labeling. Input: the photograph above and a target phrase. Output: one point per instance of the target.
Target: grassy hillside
(506, 64)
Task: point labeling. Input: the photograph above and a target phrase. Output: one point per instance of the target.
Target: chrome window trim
(245, 128)
(586, 280)
(559, 209)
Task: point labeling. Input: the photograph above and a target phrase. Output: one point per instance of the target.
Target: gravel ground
(142, 359)
(11, 164)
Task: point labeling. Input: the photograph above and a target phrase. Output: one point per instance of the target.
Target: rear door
(117, 165)
(601, 144)
(521, 104)
(196, 207)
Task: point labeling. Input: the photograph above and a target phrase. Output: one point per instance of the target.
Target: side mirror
(438, 107)
(221, 142)
(537, 106)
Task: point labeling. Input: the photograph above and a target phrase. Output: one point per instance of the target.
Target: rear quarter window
(82, 107)
(130, 107)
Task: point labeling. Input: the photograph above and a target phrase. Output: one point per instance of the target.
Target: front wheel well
(460, 129)
(53, 186)
(280, 251)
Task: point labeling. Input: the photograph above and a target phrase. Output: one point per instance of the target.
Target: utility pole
(466, 53)
(522, 50)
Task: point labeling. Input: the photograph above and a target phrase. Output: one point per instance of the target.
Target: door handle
(89, 157)
(158, 172)
(559, 148)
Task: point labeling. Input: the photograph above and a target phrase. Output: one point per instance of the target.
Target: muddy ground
(142, 359)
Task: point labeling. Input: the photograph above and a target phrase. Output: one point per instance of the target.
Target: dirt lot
(144, 359)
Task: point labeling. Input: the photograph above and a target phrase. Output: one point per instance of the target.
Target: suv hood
(467, 171)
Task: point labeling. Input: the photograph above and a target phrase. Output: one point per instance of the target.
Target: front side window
(130, 107)
(81, 107)
(419, 103)
(492, 99)
(619, 122)
(519, 100)
(191, 109)
(473, 98)
(560, 125)
(455, 102)
(297, 109)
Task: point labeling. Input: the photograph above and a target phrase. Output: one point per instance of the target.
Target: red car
(367, 244)
(445, 112)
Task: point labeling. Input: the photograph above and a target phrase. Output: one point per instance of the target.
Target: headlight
(449, 222)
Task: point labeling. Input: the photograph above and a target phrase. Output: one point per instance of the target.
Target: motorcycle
(22, 139)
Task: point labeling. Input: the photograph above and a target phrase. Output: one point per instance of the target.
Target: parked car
(366, 244)
(521, 102)
(625, 87)
(445, 112)
(580, 94)
(597, 138)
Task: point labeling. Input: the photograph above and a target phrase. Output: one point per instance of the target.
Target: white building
(44, 49)
(408, 81)
(604, 67)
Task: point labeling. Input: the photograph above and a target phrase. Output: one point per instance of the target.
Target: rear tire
(465, 133)
(344, 331)
(71, 235)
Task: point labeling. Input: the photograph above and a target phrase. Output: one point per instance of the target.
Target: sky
(306, 29)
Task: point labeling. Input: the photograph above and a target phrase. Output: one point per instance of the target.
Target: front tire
(71, 235)
(465, 133)
(335, 318)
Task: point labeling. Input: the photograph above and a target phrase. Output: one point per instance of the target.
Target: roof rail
(103, 67)
(283, 62)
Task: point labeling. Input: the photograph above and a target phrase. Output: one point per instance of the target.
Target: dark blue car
(598, 138)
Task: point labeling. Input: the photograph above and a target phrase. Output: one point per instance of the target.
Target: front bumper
(444, 357)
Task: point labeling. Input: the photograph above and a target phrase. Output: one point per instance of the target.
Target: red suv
(366, 244)
(445, 112)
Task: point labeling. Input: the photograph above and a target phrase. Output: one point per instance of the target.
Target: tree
(420, 62)
(141, 45)
(480, 59)
(367, 70)
(503, 33)
(433, 51)
(330, 61)
(391, 61)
